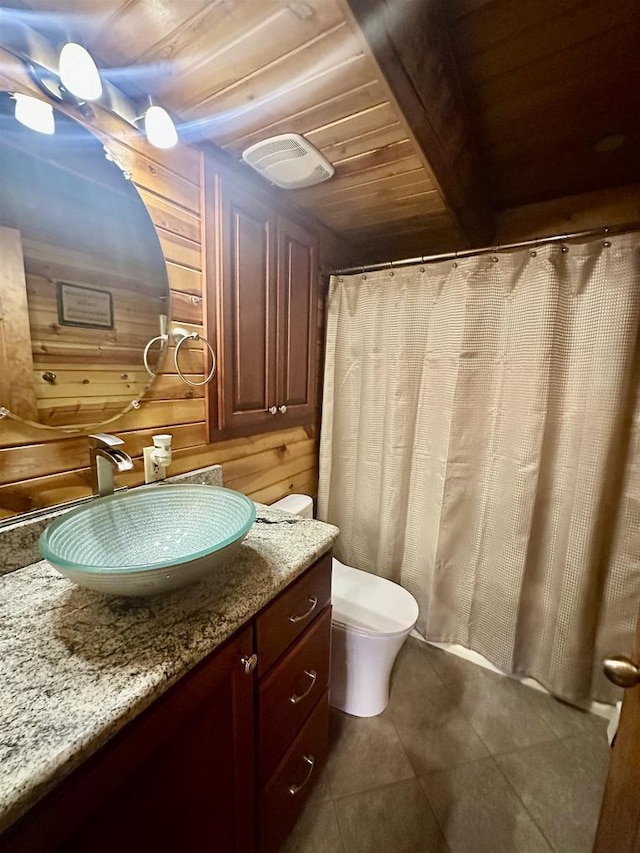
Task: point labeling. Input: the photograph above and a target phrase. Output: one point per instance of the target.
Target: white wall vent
(288, 161)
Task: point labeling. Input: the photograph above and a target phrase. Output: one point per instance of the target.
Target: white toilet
(372, 617)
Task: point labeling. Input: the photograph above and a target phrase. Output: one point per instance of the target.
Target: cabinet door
(247, 269)
(179, 777)
(297, 323)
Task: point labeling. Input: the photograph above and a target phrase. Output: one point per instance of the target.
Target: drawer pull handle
(313, 601)
(312, 674)
(295, 789)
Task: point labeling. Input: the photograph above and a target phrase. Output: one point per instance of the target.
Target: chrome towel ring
(179, 337)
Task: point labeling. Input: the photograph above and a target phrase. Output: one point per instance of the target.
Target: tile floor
(463, 761)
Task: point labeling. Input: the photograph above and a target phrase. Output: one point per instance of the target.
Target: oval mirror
(83, 280)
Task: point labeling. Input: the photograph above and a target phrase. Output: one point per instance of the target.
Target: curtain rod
(467, 253)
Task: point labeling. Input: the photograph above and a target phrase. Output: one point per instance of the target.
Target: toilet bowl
(372, 617)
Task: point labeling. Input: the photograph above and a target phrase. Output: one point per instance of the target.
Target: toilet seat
(368, 604)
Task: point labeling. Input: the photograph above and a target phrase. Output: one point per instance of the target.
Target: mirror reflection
(83, 281)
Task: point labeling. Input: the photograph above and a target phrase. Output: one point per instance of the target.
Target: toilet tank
(301, 505)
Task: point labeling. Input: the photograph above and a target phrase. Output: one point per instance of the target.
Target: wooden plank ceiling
(435, 114)
(544, 82)
(238, 71)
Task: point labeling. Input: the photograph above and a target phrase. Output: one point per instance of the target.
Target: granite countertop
(75, 666)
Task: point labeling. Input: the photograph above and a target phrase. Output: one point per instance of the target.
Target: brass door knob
(622, 671)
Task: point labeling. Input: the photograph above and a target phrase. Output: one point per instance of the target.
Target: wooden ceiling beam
(410, 43)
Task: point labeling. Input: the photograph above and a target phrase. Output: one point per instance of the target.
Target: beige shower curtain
(481, 446)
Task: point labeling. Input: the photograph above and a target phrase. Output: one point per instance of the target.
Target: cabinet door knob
(622, 671)
(272, 410)
(282, 409)
(249, 663)
(311, 675)
(310, 761)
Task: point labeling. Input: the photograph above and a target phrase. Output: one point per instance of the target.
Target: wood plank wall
(43, 468)
(616, 206)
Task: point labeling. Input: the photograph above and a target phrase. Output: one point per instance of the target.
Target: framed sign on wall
(84, 306)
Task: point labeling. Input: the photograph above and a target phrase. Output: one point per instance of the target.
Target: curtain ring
(391, 272)
(363, 273)
(455, 259)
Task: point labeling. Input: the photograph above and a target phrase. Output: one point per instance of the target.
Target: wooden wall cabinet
(297, 323)
(225, 760)
(263, 269)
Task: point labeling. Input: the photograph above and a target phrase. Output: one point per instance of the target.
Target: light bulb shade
(79, 73)
(35, 114)
(159, 127)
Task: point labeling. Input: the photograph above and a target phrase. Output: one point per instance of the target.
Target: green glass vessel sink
(146, 541)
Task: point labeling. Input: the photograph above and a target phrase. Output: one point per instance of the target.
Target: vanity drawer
(292, 782)
(292, 612)
(289, 692)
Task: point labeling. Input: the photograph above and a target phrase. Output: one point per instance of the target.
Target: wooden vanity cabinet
(293, 638)
(288, 615)
(289, 693)
(263, 285)
(223, 761)
(178, 777)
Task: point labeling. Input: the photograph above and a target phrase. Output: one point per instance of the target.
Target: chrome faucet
(105, 457)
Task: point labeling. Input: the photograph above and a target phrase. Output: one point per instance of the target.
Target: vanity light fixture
(159, 127)
(71, 76)
(34, 113)
(78, 72)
